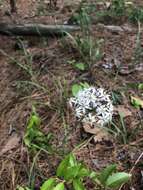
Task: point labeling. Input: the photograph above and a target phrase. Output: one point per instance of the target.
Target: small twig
(82, 145)
(141, 155)
(132, 169)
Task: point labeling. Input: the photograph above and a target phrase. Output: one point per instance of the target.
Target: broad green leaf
(78, 185)
(48, 184)
(83, 172)
(63, 166)
(136, 102)
(72, 160)
(140, 86)
(106, 173)
(34, 120)
(93, 175)
(80, 66)
(20, 188)
(71, 172)
(69, 161)
(59, 186)
(75, 89)
(117, 179)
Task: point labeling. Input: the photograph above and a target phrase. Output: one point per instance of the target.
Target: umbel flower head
(93, 106)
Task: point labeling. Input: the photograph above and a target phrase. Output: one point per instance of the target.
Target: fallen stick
(36, 29)
(113, 28)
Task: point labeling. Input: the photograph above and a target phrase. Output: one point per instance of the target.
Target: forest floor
(48, 89)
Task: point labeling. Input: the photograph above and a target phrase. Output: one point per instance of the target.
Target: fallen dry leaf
(100, 133)
(12, 143)
(124, 111)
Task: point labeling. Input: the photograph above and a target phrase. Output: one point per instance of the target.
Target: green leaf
(31, 130)
(106, 173)
(75, 89)
(20, 188)
(68, 162)
(72, 62)
(78, 185)
(72, 160)
(83, 172)
(80, 66)
(117, 179)
(59, 186)
(63, 166)
(93, 175)
(140, 86)
(84, 85)
(48, 184)
(71, 172)
(34, 120)
(34, 138)
(136, 102)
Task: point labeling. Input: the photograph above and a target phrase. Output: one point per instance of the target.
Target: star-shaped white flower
(92, 105)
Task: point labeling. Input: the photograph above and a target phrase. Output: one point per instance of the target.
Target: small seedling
(77, 87)
(34, 139)
(89, 49)
(78, 65)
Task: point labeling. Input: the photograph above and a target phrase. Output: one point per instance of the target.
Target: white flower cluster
(92, 105)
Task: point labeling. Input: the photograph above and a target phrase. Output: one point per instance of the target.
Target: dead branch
(36, 29)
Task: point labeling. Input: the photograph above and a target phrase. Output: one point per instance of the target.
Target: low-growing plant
(71, 173)
(62, 92)
(119, 130)
(78, 65)
(118, 7)
(34, 138)
(82, 16)
(27, 68)
(116, 10)
(136, 14)
(138, 52)
(116, 97)
(88, 48)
